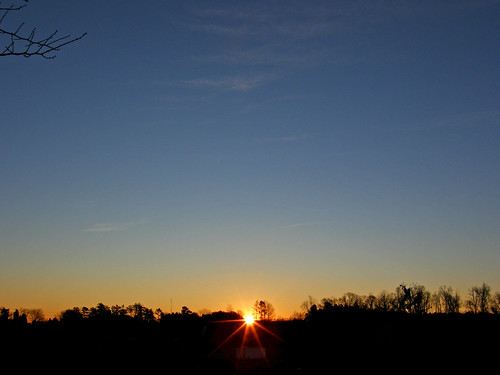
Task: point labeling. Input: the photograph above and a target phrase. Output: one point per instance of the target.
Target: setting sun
(249, 319)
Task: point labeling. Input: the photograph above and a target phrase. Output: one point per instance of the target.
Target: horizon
(434, 301)
(215, 154)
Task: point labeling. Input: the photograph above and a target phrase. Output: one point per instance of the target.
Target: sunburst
(250, 327)
(249, 320)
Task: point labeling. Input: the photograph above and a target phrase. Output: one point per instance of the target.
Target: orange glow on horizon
(249, 319)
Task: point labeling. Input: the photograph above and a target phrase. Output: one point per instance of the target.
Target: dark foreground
(343, 342)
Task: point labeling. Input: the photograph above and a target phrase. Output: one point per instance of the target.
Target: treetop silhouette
(28, 44)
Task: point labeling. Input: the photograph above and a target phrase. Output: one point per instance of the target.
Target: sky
(211, 153)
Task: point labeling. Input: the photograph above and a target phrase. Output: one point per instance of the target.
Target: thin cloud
(301, 225)
(258, 105)
(236, 31)
(235, 83)
(471, 119)
(104, 227)
(294, 34)
(83, 205)
(270, 54)
(287, 138)
(299, 21)
(112, 227)
(488, 118)
(292, 138)
(269, 34)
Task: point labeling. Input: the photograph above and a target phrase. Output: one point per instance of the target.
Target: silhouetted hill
(331, 340)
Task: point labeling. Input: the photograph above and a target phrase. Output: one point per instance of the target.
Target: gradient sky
(211, 153)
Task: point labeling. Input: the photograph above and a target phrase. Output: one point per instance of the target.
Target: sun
(249, 319)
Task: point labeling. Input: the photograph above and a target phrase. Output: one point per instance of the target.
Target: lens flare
(248, 329)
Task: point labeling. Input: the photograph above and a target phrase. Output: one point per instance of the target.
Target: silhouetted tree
(450, 300)
(4, 314)
(20, 318)
(100, 311)
(306, 306)
(402, 298)
(479, 299)
(73, 314)
(350, 299)
(369, 301)
(85, 312)
(264, 310)
(495, 303)
(313, 310)
(223, 316)
(34, 315)
(138, 311)
(327, 304)
(185, 311)
(118, 310)
(19, 43)
(158, 313)
(384, 301)
(436, 302)
(148, 315)
(412, 298)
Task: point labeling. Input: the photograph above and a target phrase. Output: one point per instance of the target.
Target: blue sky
(213, 153)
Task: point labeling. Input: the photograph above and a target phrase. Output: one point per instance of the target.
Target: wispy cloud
(272, 34)
(233, 83)
(271, 54)
(104, 227)
(300, 225)
(298, 20)
(112, 227)
(475, 119)
(83, 205)
(292, 138)
(294, 33)
(471, 119)
(286, 138)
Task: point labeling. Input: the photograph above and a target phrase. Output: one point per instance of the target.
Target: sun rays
(251, 346)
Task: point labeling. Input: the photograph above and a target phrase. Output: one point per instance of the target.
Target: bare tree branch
(29, 45)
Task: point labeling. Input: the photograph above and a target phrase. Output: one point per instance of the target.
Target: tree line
(262, 310)
(412, 298)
